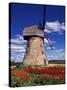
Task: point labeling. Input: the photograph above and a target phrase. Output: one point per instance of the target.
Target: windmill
(35, 53)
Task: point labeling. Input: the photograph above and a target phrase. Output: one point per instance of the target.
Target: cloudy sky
(24, 15)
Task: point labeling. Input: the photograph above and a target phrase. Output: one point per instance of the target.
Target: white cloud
(56, 54)
(18, 40)
(14, 46)
(17, 48)
(49, 48)
(63, 26)
(45, 41)
(54, 26)
(46, 30)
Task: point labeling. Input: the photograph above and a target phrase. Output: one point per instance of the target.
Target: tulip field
(36, 76)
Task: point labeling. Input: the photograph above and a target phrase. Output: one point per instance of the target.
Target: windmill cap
(33, 31)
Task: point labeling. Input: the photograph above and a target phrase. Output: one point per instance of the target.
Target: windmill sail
(49, 42)
(42, 23)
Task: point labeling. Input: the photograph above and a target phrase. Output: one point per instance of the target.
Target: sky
(25, 15)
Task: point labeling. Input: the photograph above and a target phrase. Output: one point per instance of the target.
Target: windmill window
(40, 39)
(42, 52)
(41, 45)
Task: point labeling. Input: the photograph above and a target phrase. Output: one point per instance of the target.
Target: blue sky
(24, 15)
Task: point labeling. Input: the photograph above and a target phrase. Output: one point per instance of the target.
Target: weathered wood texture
(33, 31)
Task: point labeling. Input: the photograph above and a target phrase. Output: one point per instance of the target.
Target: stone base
(35, 55)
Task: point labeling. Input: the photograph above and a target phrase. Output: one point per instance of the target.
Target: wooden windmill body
(35, 52)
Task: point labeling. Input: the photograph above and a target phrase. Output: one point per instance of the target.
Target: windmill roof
(33, 31)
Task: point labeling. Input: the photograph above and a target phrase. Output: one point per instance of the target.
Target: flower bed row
(20, 74)
(43, 71)
(51, 77)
